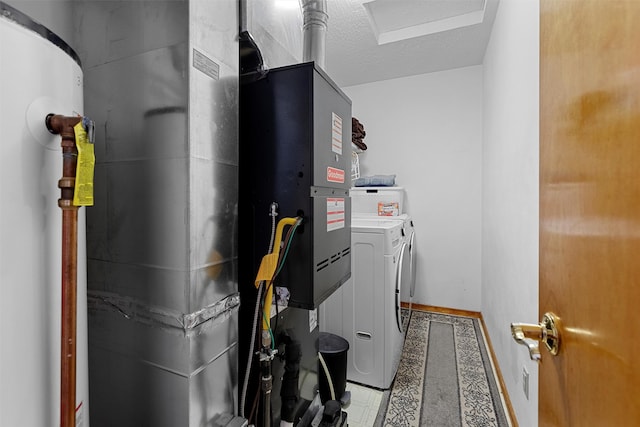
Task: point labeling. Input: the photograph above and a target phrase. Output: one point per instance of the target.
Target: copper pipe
(64, 127)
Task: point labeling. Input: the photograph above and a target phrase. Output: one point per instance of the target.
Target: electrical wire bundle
(270, 268)
(281, 261)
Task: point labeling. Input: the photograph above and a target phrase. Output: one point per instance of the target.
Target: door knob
(529, 335)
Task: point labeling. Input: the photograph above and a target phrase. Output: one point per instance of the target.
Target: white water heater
(39, 74)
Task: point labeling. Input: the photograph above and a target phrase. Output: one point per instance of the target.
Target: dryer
(366, 310)
(366, 203)
(405, 274)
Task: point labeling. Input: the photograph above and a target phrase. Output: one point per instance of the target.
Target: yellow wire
(267, 271)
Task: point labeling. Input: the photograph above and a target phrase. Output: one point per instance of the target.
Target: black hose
(267, 385)
(289, 392)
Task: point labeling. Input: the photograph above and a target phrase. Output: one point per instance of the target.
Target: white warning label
(313, 319)
(335, 213)
(336, 133)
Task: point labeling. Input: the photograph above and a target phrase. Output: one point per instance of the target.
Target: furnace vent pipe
(314, 30)
(242, 16)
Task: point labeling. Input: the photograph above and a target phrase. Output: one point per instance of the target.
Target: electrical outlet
(525, 382)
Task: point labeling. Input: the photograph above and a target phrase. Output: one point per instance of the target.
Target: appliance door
(412, 257)
(403, 278)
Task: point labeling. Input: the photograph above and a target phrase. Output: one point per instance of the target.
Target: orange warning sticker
(388, 209)
(335, 175)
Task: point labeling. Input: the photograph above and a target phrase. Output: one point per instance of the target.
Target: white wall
(427, 130)
(510, 193)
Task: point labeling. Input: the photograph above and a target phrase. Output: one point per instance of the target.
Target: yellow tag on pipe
(267, 268)
(83, 194)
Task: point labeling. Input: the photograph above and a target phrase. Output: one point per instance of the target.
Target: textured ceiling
(354, 56)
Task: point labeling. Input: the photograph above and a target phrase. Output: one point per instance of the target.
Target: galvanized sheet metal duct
(161, 80)
(314, 30)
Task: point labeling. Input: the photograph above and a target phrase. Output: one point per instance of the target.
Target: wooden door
(590, 210)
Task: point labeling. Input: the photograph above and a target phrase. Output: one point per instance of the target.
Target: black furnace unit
(295, 150)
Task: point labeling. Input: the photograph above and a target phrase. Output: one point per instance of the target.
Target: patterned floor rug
(445, 377)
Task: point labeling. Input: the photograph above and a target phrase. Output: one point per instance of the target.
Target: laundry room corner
(427, 130)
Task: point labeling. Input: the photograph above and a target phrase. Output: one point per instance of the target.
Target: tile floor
(364, 406)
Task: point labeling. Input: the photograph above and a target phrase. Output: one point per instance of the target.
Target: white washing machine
(366, 309)
(381, 278)
(366, 203)
(406, 259)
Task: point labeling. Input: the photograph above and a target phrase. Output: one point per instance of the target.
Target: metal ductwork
(314, 30)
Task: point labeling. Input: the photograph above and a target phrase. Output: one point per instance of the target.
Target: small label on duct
(336, 133)
(335, 213)
(206, 65)
(313, 319)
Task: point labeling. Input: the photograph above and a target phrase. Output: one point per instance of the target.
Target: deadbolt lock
(530, 335)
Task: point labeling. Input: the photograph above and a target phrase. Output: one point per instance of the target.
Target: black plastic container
(333, 349)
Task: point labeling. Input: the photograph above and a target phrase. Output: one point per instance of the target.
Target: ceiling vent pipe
(314, 30)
